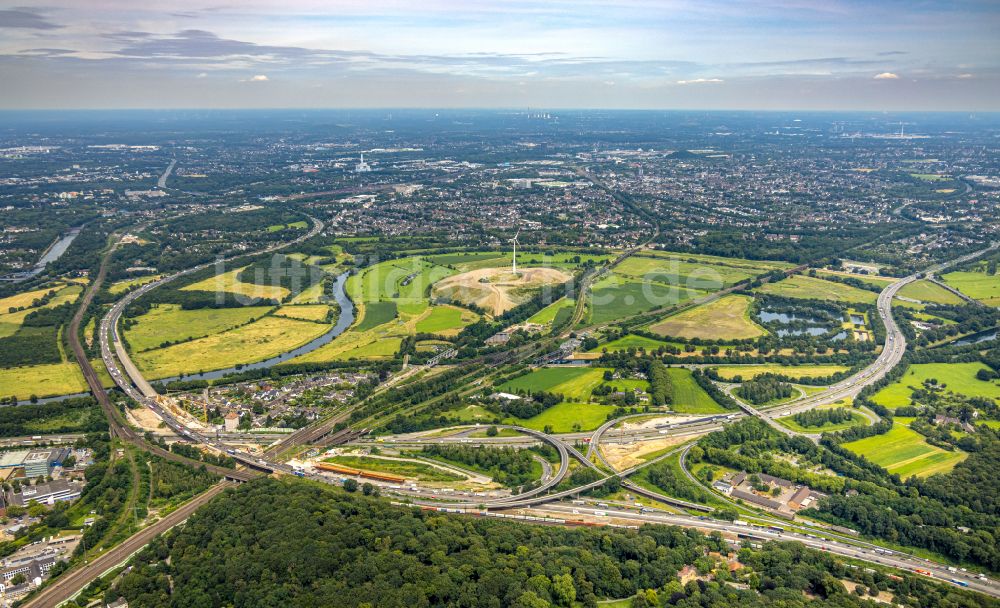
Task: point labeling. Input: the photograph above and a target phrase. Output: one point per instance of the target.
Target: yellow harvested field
(41, 380)
(309, 312)
(227, 282)
(309, 295)
(25, 299)
(725, 318)
(497, 289)
(257, 341)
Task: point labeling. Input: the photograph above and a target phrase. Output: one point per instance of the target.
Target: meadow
(229, 282)
(170, 323)
(445, 320)
(257, 341)
(616, 297)
(800, 286)
(630, 341)
(830, 427)
(306, 312)
(548, 314)
(978, 285)
(725, 318)
(571, 382)
(688, 397)
(410, 470)
(903, 451)
(568, 417)
(120, 287)
(958, 378)
(675, 271)
(42, 380)
(926, 291)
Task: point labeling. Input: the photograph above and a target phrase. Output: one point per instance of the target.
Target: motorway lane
(68, 584)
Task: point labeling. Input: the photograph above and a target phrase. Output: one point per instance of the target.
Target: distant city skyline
(631, 54)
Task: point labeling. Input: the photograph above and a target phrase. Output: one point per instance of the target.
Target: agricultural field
(42, 380)
(377, 313)
(310, 295)
(170, 323)
(616, 297)
(497, 290)
(257, 341)
(725, 318)
(10, 322)
(678, 271)
(445, 320)
(306, 312)
(688, 397)
(978, 285)
(903, 451)
(353, 346)
(406, 279)
(800, 286)
(957, 377)
(926, 291)
(571, 382)
(753, 266)
(229, 283)
(728, 372)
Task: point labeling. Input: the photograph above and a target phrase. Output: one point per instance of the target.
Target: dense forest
(297, 544)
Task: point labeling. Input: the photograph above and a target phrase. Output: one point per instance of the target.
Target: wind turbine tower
(514, 240)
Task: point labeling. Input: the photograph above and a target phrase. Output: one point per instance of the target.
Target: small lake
(780, 317)
(857, 319)
(984, 336)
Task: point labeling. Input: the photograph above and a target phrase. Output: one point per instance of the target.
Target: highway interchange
(128, 378)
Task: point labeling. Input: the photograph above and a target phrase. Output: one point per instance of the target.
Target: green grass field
(377, 313)
(257, 341)
(725, 318)
(307, 312)
(445, 320)
(727, 372)
(405, 279)
(689, 398)
(630, 341)
(548, 314)
(926, 291)
(278, 227)
(979, 285)
(957, 377)
(616, 297)
(170, 323)
(904, 452)
(673, 271)
(563, 417)
(799, 286)
(571, 382)
(410, 470)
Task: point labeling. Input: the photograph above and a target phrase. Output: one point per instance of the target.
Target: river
(53, 253)
(344, 320)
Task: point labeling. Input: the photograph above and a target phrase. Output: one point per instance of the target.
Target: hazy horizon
(795, 55)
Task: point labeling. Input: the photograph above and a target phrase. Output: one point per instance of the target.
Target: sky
(643, 54)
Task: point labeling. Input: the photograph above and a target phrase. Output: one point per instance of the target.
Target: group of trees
(821, 417)
(764, 389)
(508, 466)
(77, 415)
(273, 543)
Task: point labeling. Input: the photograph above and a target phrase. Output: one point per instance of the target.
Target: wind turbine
(514, 240)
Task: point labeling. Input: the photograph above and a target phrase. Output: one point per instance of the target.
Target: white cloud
(964, 76)
(258, 78)
(886, 76)
(202, 75)
(700, 81)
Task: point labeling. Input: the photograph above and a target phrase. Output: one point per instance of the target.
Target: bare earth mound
(497, 289)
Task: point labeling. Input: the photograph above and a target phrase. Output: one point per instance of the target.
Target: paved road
(162, 182)
(68, 584)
